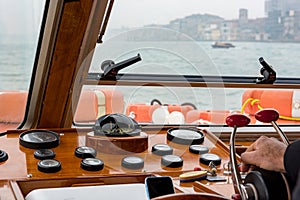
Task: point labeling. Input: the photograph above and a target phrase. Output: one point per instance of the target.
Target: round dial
(198, 149)
(49, 166)
(39, 139)
(172, 161)
(44, 154)
(3, 156)
(210, 157)
(162, 149)
(132, 162)
(185, 136)
(85, 152)
(92, 164)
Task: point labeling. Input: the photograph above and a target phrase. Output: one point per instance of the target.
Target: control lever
(235, 121)
(267, 71)
(259, 184)
(110, 69)
(271, 116)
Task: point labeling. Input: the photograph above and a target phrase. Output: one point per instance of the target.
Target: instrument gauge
(49, 166)
(3, 156)
(186, 136)
(39, 139)
(43, 154)
(85, 152)
(92, 164)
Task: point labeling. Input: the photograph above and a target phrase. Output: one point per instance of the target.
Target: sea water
(16, 64)
(17, 60)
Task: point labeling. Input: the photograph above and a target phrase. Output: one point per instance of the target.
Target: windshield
(190, 39)
(19, 29)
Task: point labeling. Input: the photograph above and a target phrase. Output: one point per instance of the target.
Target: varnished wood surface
(23, 158)
(22, 165)
(118, 145)
(72, 27)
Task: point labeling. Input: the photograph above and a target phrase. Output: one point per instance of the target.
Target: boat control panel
(117, 151)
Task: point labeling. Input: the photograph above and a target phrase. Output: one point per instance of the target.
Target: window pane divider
(191, 81)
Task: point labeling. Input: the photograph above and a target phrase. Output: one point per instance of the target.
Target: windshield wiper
(103, 28)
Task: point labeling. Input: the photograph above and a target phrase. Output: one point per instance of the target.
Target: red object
(238, 120)
(267, 115)
(197, 169)
(236, 197)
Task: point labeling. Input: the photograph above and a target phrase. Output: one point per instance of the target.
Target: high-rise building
(243, 16)
(283, 6)
(282, 22)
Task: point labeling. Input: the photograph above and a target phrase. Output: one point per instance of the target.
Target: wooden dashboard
(19, 174)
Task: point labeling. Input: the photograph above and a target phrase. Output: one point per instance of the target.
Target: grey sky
(141, 12)
(24, 15)
(20, 16)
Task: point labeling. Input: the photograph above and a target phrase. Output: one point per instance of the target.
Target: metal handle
(271, 116)
(235, 121)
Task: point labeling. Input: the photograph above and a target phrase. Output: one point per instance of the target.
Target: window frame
(59, 20)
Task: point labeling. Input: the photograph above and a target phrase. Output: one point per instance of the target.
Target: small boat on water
(222, 45)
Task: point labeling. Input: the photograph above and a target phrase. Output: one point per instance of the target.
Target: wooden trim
(69, 38)
(16, 190)
(85, 58)
(72, 27)
(35, 99)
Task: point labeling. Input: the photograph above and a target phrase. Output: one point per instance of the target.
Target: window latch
(110, 69)
(269, 75)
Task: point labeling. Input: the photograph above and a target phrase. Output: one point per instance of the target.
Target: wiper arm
(103, 28)
(110, 69)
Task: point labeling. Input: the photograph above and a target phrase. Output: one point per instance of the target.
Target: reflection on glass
(199, 39)
(20, 23)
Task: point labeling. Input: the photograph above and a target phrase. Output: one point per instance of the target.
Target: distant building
(243, 17)
(281, 24)
(291, 26)
(274, 25)
(281, 5)
(282, 21)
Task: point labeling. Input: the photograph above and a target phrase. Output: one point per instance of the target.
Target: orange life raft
(143, 113)
(207, 116)
(95, 103)
(286, 102)
(92, 104)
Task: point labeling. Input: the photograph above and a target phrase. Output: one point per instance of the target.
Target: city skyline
(136, 14)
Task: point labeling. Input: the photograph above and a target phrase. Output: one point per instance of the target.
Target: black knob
(3, 156)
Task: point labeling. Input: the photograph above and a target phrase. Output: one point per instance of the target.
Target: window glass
(255, 28)
(200, 38)
(185, 105)
(20, 23)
